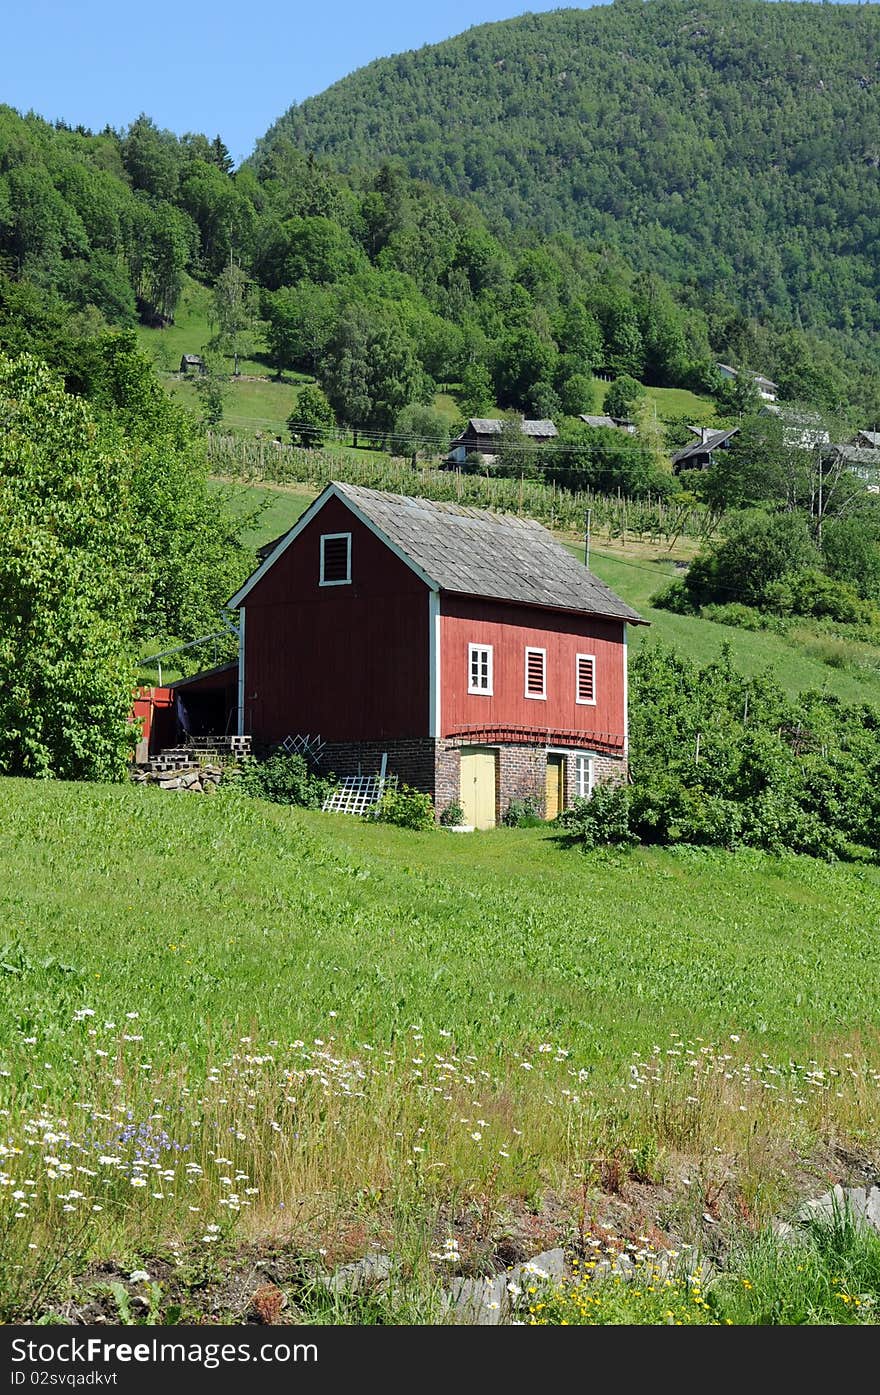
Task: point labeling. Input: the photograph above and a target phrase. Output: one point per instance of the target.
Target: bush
(407, 808)
(675, 597)
(811, 592)
(285, 779)
(452, 816)
(723, 760)
(523, 813)
(743, 617)
(602, 820)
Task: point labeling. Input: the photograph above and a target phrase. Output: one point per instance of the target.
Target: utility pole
(587, 538)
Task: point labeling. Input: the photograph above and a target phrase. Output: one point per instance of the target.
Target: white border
(482, 692)
(625, 694)
(434, 670)
(537, 697)
(584, 702)
(240, 723)
(583, 755)
(331, 537)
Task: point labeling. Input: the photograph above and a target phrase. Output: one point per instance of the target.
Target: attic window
(536, 673)
(335, 559)
(585, 682)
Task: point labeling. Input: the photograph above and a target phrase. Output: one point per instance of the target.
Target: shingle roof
(492, 426)
(857, 455)
(479, 553)
(712, 441)
(597, 421)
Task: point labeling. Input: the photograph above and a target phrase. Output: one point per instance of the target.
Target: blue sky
(225, 66)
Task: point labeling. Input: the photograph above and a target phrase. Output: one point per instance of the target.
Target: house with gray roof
(698, 454)
(483, 436)
(468, 650)
(607, 423)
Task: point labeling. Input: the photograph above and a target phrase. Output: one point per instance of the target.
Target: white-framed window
(583, 776)
(585, 679)
(536, 673)
(335, 559)
(480, 669)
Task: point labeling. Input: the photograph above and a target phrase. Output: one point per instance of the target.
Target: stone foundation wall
(411, 760)
(435, 768)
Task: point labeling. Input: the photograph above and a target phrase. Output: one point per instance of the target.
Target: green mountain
(732, 146)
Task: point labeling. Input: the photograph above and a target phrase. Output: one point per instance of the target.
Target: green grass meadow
(227, 1023)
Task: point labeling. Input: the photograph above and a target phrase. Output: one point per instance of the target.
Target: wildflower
(138, 1276)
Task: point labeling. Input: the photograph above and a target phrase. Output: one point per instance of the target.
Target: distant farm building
(608, 423)
(469, 647)
(192, 363)
(483, 436)
(698, 454)
(767, 389)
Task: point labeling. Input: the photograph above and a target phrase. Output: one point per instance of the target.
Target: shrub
(675, 597)
(452, 816)
(407, 808)
(603, 819)
(523, 813)
(811, 592)
(285, 779)
(743, 617)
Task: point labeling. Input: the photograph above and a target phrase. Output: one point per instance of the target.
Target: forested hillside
(732, 146)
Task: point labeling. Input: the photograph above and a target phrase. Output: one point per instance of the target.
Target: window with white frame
(480, 669)
(335, 559)
(536, 673)
(583, 776)
(585, 679)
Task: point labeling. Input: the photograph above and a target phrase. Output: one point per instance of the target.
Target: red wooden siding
(511, 629)
(348, 662)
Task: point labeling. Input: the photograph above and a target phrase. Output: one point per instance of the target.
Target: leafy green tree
(523, 359)
(171, 238)
(851, 551)
(311, 418)
(299, 322)
(370, 372)
(622, 396)
(421, 431)
(152, 158)
(738, 397)
(235, 313)
(477, 396)
(68, 573)
(758, 549)
(577, 394)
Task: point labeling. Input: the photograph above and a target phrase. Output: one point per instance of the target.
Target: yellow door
(555, 786)
(478, 786)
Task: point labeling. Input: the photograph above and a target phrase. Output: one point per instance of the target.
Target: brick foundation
(435, 768)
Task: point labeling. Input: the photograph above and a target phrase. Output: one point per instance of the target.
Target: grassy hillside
(243, 1027)
(731, 148)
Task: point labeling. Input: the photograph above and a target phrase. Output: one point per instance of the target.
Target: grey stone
(861, 1203)
(482, 1302)
(550, 1262)
(369, 1272)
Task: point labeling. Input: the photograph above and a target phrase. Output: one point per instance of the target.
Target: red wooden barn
(470, 646)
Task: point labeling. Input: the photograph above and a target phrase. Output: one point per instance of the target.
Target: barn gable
(472, 552)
